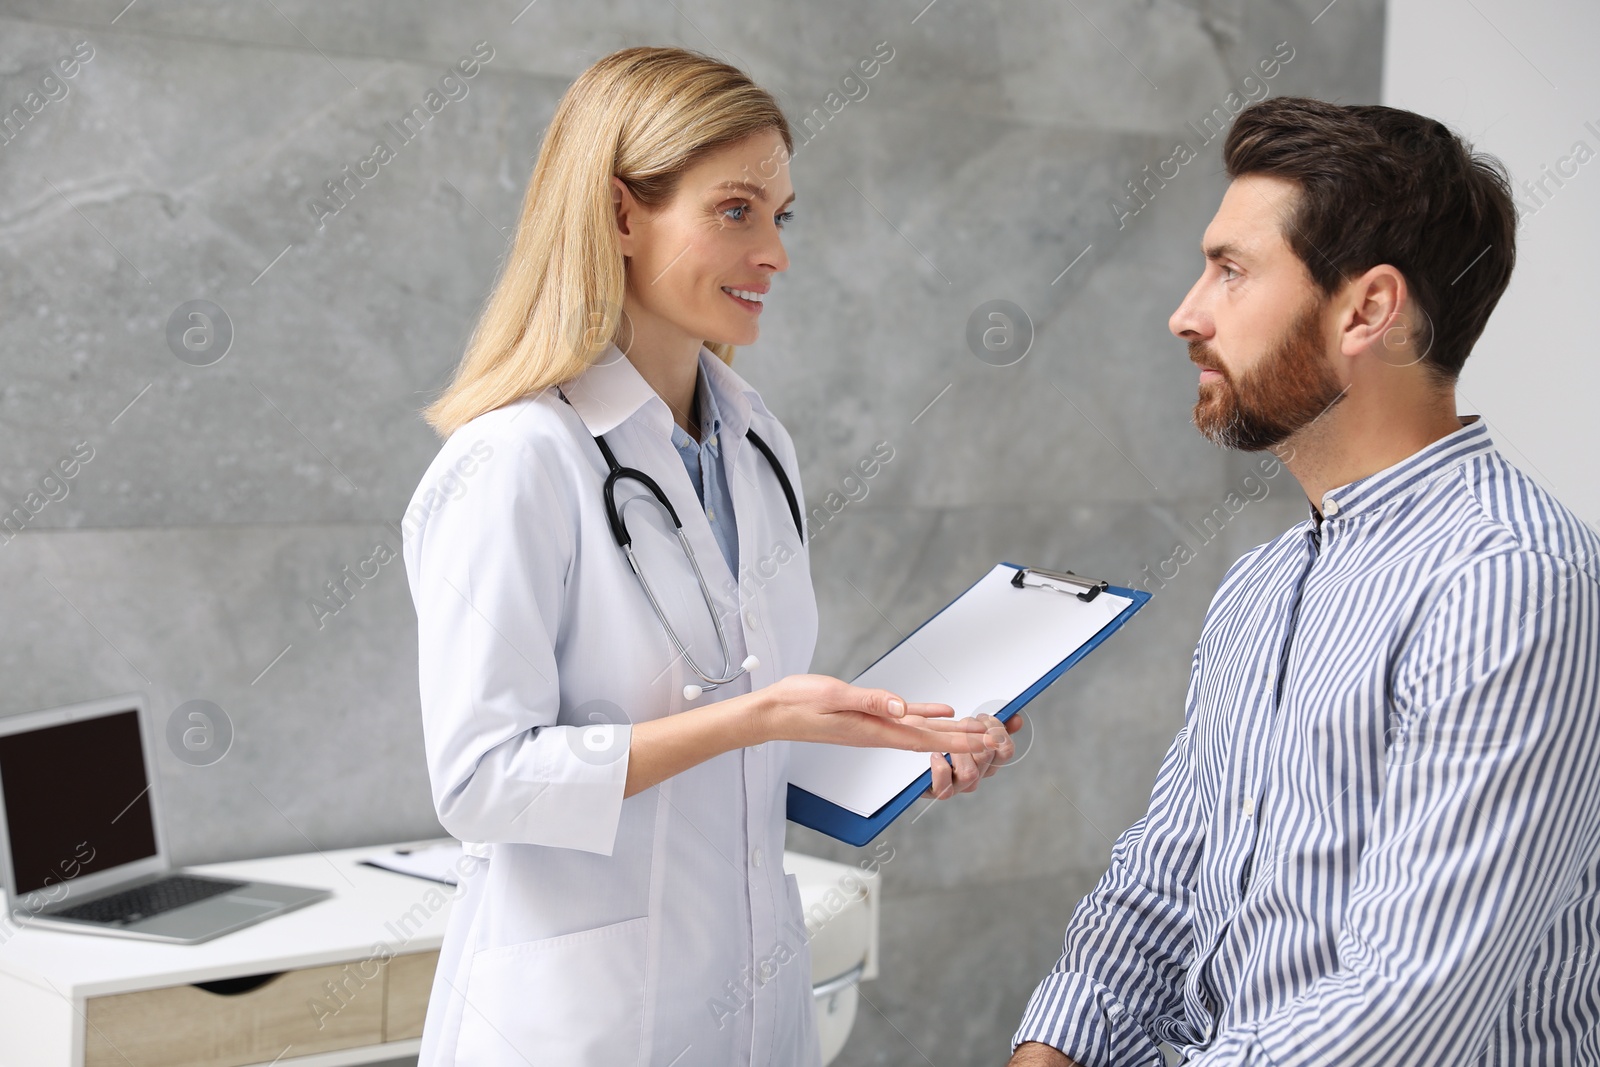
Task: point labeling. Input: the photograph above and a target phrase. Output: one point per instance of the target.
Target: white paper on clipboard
(440, 862)
(979, 654)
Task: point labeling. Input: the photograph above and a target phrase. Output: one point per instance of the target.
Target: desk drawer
(187, 1026)
(406, 994)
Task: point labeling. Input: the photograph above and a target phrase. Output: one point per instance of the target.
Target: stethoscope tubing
(716, 618)
(619, 531)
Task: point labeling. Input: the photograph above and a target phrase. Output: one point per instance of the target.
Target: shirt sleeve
(1127, 944)
(1487, 821)
(488, 568)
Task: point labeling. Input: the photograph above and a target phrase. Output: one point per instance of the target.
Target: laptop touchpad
(253, 903)
(205, 916)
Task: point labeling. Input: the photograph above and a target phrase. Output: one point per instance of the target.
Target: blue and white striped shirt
(1376, 838)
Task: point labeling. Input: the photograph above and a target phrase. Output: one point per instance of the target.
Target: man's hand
(1033, 1054)
(970, 767)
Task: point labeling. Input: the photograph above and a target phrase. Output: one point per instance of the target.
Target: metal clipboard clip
(1061, 581)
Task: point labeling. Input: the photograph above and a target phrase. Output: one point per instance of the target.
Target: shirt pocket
(576, 999)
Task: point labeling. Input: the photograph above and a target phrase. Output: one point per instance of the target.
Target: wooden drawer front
(410, 981)
(185, 1026)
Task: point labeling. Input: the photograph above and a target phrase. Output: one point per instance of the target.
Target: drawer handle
(824, 990)
(232, 987)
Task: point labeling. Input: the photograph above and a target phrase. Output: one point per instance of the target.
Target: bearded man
(1376, 838)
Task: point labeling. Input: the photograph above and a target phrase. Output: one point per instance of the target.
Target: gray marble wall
(990, 159)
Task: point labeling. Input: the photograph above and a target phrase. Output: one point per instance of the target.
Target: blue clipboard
(824, 816)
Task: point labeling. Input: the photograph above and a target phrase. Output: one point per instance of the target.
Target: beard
(1286, 392)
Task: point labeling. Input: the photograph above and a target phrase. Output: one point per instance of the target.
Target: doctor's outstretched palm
(815, 707)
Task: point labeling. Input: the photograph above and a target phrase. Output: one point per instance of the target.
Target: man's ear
(1380, 318)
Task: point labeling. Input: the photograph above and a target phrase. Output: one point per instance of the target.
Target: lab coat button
(752, 620)
(755, 857)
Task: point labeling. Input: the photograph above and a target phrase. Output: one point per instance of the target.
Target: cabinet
(343, 981)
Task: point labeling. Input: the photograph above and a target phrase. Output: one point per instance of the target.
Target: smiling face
(722, 231)
(1254, 324)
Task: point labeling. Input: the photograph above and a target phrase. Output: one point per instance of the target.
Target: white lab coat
(656, 930)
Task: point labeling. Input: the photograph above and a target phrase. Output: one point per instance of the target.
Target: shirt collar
(710, 417)
(611, 390)
(734, 401)
(1375, 490)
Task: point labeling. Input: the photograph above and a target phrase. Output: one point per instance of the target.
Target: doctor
(614, 744)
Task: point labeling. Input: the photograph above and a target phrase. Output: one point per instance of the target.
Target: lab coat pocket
(576, 999)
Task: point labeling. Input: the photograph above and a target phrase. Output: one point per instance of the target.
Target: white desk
(366, 954)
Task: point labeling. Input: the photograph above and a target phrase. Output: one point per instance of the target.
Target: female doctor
(612, 741)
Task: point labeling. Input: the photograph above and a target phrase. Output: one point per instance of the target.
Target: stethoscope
(619, 530)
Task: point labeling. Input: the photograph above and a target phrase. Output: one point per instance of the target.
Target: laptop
(81, 841)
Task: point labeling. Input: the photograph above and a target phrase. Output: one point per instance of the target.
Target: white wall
(1518, 78)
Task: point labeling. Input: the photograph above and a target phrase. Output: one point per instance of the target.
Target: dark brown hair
(1381, 185)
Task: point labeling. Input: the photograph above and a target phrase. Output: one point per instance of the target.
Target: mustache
(1201, 356)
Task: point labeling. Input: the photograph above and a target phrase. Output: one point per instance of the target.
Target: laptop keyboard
(143, 901)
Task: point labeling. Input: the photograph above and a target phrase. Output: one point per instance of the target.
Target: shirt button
(1330, 507)
(712, 440)
(1248, 808)
(755, 857)
(710, 516)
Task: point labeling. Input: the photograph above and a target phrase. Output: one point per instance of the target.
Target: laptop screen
(76, 799)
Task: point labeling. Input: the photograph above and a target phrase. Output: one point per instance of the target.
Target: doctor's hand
(962, 772)
(815, 707)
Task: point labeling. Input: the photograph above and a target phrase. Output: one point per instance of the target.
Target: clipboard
(841, 822)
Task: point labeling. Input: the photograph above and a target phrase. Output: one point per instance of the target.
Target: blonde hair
(645, 115)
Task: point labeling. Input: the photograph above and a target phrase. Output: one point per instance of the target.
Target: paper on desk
(436, 862)
(979, 654)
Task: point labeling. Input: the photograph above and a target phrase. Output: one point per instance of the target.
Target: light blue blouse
(703, 461)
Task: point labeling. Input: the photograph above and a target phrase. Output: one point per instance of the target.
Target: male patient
(1376, 838)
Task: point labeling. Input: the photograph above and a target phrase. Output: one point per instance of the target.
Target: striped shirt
(1376, 837)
